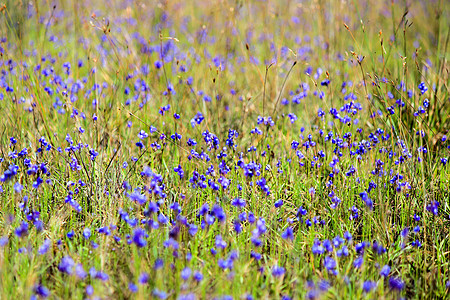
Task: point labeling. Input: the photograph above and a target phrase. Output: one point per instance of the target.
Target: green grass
(375, 48)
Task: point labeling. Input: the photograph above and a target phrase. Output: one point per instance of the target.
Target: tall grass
(320, 132)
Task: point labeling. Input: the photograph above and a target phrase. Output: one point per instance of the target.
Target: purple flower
(405, 232)
(18, 187)
(142, 135)
(198, 276)
(330, 265)
(220, 243)
(358, 262)
(433, 207)
(312, 294)
(368, 286)
(278, 271)
(144, 278)
(22, 230)
(324, 285)
(317, 248)
(80, 272)
(396, 283)
(347, 236)
(159, 263)
(279, 203)
(238, 202)
(288, 234)
(87, 233)
(385, 271)
(70, 234)
(365, 197)
(44, 247)
(186, 273)
(89, 290)
(139, 237)
(132, 287)
(3, 241)
(41, 291)
(66, 265)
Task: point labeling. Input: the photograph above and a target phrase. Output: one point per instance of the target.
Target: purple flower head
(278, 271)
(317, 248)
(365, 197)
(278, 203)
(66, 265)
(18, 187)
(87, 233)
(144, 278)
(80, 272)
(238, 202)
(132, 287)
(139, 237)
(347, 236)
(220, 243)
(330, 264)
(385, 271)
(3, 241)
(89, 290)
(433, 207)
(368, 286)
(22, 230)
(70, 234)
(44, 247)
(396, 283)
(186, 273)
(324, 285)
(288, 234)
(358, 262)
(41, 291)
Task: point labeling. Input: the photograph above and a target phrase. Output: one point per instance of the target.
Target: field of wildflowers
(224, 150)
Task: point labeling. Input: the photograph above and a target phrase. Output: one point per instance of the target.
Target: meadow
(224, 150)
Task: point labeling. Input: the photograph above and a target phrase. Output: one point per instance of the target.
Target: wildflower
(132, 287)
(343, 251)
(41, 291)
(396, 283)
(422, 88)
(186, 273)
(288, 234)
(365, 197)
(238, 202)
(368, 286)
(70, 234)
(220, 243)
(278, 271)
(144, 278)
(139, 237)
(433, 207)
(330, 264)
(385, 271)
(358, 262)
(18, 187)
(22, 230)
(44, 247)
(416, 243)
(198, 276)
(278, 203)
(317, 248)
(66, 265)
(3, 241)
(89, 290)
(80, 272)
(87, 233)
